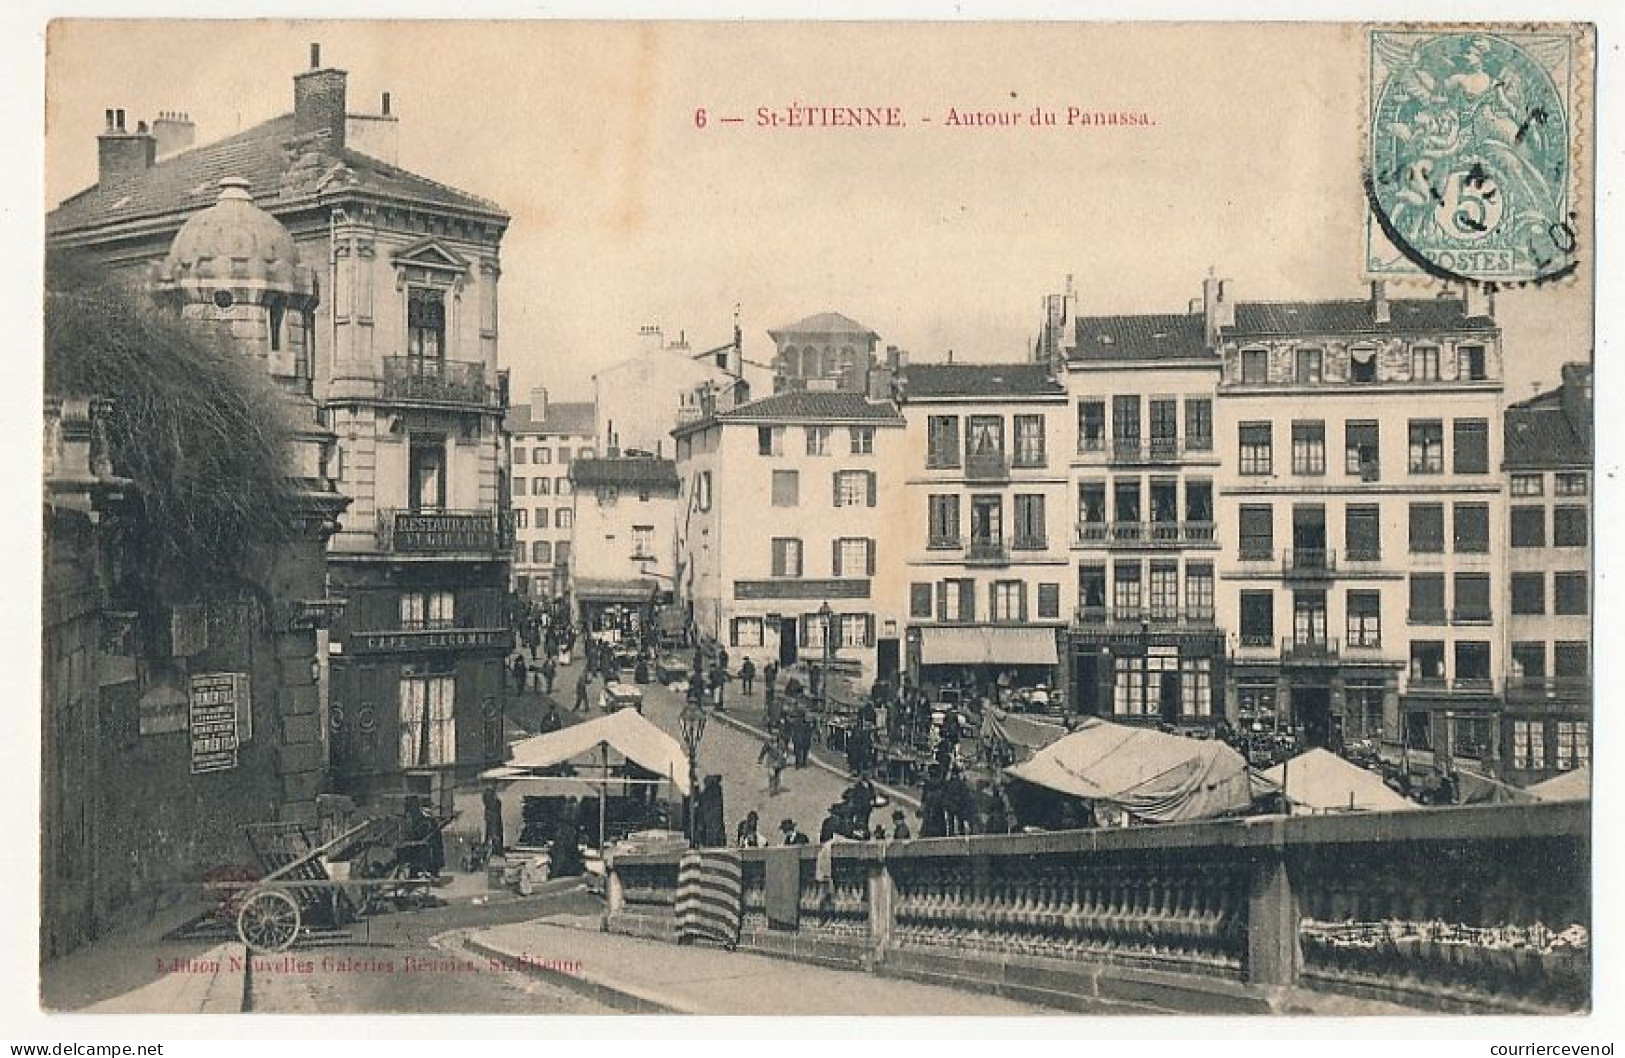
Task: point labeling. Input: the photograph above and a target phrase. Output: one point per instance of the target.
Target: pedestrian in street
(747, 676)
(719, 680)
(772, 754)
(519, 671)
(582, 682)
(792, 833)
(770, 677)
(833, 824)
(550, 669)
(552, 721)
(494, 844)
(801, 738)
(747, 836)
(899, 826)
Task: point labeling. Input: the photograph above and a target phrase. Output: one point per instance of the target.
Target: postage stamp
(1470, 160)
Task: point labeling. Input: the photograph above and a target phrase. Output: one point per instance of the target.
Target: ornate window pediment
(433, 255)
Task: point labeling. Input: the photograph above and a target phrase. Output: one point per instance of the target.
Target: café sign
(406, 640)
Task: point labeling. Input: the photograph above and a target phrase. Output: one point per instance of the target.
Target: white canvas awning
(987, 645)
(1320, 780)
(623, 732)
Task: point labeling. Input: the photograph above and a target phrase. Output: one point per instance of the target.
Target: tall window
(1309, 616)
(519, 455)
(984, 438)
(1363, 364)
(987, 521)
(1472, 604)
(428, 733)
(1427, 599)
(786, 557)
(1361, 448)
(944, 521)
(1256, 455)
(861, 440)
(1029, 441)
(1091, 425)
(1472, 528)
(425, 323)
(1528, 526)
(1528, 745)
(1199, 591)
(857, 629)
(1257, 531)
(521, 518)
(942, 441)
(426, 460)
(1165, 426)
(421, 610)
(818, 440)
(561, 553)
(1030, 530)
(519, 486)
(1528, 593)
(1049, 601)
(541, 552)
(643, 541)
(1569, 526)
(770, 440)
(1199, 424)
(1424, 363)
(1126, 501)
(1164, 591)
(1570, 593)
(1126, 597)
(1257, 618)
(1092, 591)
(1309, 447)
(1009, 598)
(786, 488)
(853, 557)
(919, 601)
(956, 600)
(1427, 446)
(1364, 619)
(1472, 444)
(541, 487)
(1126, 420)
(564, 518)
(1470, 363)
(1307, 364)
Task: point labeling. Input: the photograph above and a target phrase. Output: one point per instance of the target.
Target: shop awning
(595, 589)
(987, 645)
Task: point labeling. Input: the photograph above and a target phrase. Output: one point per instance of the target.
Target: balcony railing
(1136, 616)
(1145, 534)
(988, 466)
(1309, 562)
(1471, 616)
(1092, 446)
(1549, 686)
(1425, 615)
(411, 378)
(444, 532)
(1029, 543)
(1473, 684)
(1257, 640)
(1308, 651)
(988, 551)
(1091, 532)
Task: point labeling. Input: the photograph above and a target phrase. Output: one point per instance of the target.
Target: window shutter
(806, 629)
(942, 602)
(835, 487)
(835, 562)
(873, 486)
(1023, 611)
(868, 629)
(733, 632)
(869, 546)
(967, 608)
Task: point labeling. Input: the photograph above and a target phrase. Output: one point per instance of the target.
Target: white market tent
(1151, 774)
(1570, 786)
(625, 734)
(1321, 781)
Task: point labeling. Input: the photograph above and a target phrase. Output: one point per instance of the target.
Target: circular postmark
(1469, 154)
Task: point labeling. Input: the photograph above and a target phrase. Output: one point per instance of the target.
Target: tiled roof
(980, 380)
(1157, 336)
(283, 168)
(567, 418)
(1353, 317)
(1542, 432)
(626, 473)
(814, 406)
(824, 323)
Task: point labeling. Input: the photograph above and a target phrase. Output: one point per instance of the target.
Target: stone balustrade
(1473, 909)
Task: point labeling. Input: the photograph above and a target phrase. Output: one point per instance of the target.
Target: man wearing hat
(833, 823)
(792, 836)
(899, 826)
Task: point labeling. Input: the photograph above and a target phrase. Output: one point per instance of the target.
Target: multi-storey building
(1547, 723)
(1145, 646)
(625, 555)
(1359, 516)
(984, 513)
(545, 438)
(638, 397)
(780, 516)
(827, 349)
(402, 353)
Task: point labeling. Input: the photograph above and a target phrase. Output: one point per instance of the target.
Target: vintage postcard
(807, 518)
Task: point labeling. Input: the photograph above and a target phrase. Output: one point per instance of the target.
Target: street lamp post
(827, 615)
(692, 722)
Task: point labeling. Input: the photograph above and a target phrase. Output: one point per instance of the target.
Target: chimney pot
(109, 118)
(315, 56)
(119, 119)
(386, 104)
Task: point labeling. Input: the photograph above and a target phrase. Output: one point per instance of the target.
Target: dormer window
(1425, 363)
(1363, 364)
(1255, 367)
(1470, 363)
(425, 323)
(1307, 367)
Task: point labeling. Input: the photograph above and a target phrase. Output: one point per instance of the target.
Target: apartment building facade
(1549, 464)
(985, 507)
(545, 438)
(1146, 645)
(1359, 518)
(781, 515)
(624, 561)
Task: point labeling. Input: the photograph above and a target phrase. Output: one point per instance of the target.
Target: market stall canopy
(1323, 781)
(624, 732)
(987, 646)
(1155, 776)
(609, 589)
(1570, 786)
(1022, 734)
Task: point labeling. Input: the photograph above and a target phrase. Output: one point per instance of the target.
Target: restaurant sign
(429, 639)
(220, 708)
(444, 532)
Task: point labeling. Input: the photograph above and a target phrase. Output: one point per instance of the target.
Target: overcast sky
(626, 214)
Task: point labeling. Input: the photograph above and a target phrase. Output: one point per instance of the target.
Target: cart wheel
(269, 920)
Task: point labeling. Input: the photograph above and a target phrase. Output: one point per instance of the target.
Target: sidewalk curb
(751, 729)
(625, 998)
(226, 998)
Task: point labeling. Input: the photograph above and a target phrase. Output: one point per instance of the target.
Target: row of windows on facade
(985, 441)
(542, 552)
(562, 518)
(819, 440)
(1564, 483)
(1309, 364)
(541, 486)
(1361, 447)
(1362, 529)
(1161, 496)
(1567, 743)
(1569, 660)
(846, 630)
(849, 557)
(849, 488)
(544, 456)
(953, 601)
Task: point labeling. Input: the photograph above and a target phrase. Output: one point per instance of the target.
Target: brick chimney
(318, 100)
(538, 404)
(1380, 312)
(174, 131)
(1218, 308)
(121, 155)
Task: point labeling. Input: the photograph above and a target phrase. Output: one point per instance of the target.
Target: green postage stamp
(1471, 152)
